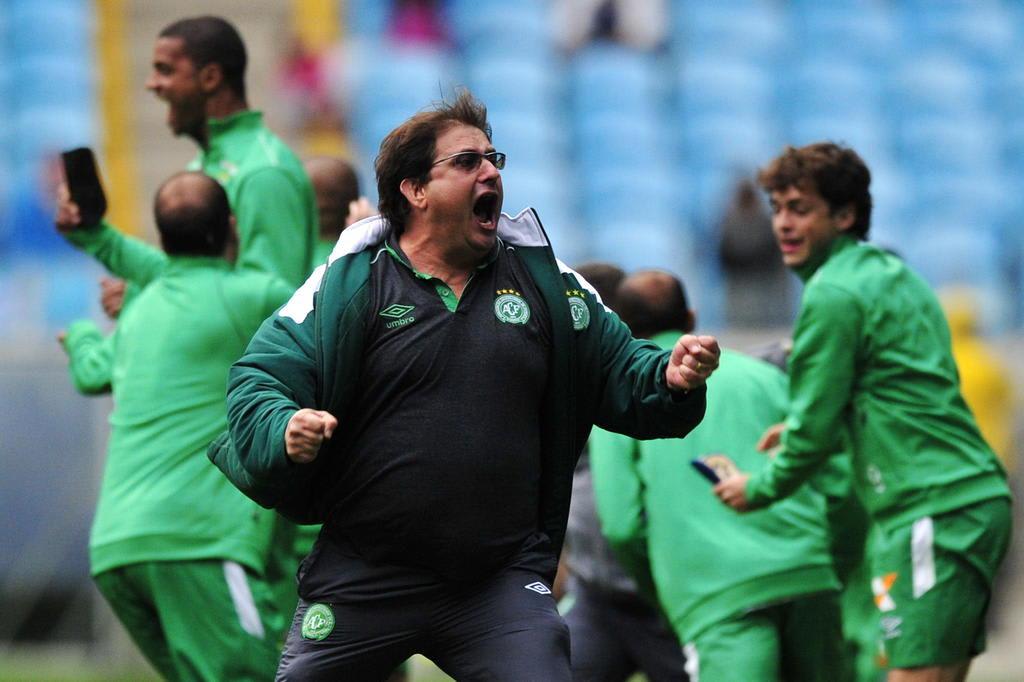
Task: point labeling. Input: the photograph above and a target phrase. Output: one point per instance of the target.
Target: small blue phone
(704, 470)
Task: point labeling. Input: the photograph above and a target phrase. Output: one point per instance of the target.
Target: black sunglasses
(470, 161)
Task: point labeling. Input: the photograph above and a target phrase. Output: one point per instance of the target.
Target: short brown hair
(408, 151)
(835, 172)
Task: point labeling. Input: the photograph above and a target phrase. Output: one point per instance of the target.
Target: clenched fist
(693, 360)
(306, 432)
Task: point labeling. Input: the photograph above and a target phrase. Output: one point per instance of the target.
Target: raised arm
(646, 392)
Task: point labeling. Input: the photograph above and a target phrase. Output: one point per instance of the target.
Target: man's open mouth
(485, 208)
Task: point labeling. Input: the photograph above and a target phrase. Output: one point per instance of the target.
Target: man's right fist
(306, 432)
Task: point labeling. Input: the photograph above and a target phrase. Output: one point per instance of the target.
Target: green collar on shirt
(839, 244)
(396, 252)
(221, 129)
(445, 292)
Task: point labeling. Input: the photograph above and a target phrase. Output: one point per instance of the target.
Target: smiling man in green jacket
(871, 355)
(199, 70)
(426, 395)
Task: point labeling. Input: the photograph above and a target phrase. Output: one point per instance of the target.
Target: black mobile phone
(704, 470)
(83, 180)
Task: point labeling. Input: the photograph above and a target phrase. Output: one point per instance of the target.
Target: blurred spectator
(757, 286)
(984, 377)
(417, 22)
(304, 91)
(337, 193)
(642, 24)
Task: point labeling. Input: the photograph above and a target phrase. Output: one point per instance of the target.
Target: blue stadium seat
(982, 31)
(749, 29)
(390, 83)
(830, 86)
(719, 85)
(984, 201)
(637, 245)
(867, 133)
(934, 84)
(729, 141)
(528, 140)
(865, 32)
(44, 130)
(957, 254)
(616, 139)
(50, 27)
(530, 86)
(47, 81)
(492, 27)
(388, 74)
(710, 189)
(645, 193)
(1004, 93)
(892, 223)
(1012, 141)
(607, 77)
(965, 144)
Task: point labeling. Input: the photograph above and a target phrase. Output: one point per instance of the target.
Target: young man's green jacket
(871, 353)
(708, 563)
(309, 355)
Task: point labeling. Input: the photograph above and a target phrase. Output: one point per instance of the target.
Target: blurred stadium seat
(606, 77)
(752, 29)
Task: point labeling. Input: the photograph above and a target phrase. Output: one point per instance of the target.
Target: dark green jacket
(309, 355)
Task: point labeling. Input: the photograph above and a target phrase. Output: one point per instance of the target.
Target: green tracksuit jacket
(269, 193)
(708, 562)
(309, 355)
(160, 500)
(871, 352)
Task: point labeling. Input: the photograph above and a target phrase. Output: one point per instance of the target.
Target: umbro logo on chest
(398, 315)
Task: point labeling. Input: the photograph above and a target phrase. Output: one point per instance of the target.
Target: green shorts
(196, 620)
(795, 640)
(932, 582)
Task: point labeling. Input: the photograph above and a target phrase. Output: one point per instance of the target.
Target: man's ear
(846, 217)
(211, 77)
(414, 192)
(691, 321)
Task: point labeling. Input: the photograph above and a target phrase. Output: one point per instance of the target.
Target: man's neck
(220, 105)
(454, 267)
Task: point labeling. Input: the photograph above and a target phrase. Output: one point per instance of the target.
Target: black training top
(442, 449)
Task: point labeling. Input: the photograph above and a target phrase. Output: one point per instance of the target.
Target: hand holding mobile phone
(704, 470)
(84, 184)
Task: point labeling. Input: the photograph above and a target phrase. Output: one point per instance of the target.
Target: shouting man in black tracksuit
(425, 395)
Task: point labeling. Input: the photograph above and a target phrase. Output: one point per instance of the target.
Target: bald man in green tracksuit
(752, 598)
(178, 553)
